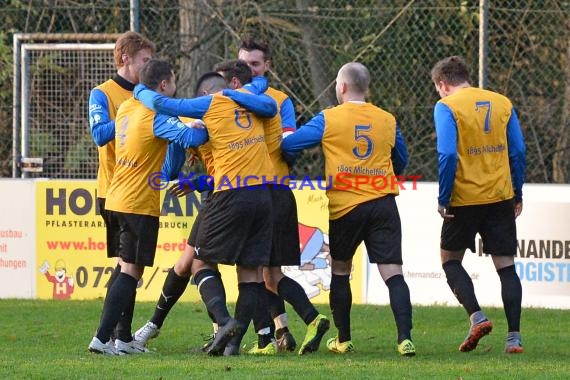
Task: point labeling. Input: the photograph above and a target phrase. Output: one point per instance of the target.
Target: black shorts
(138, 237)
(285, 248)
(236, 228)
(194, 230)
(112, 229)
(377, 223)
(495, 222)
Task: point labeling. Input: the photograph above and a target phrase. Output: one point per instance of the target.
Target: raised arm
(261, 105)
(195, 108)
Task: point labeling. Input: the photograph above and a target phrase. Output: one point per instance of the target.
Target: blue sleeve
(174, 130)
(399, 152)
(102, 127)
(195, 108)
(258, 85)
(287, 113)
(517, 154)
(174, 161)
(308, 136)
(446, 133)
(261, 105)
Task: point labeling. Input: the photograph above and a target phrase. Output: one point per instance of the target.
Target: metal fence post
(25, 107)
(16, 108)
(483, 43)
(134, 10)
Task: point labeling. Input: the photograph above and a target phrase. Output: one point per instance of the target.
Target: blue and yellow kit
(359, 140)
(238, 148)
(481, 148)
(141, 140)
(104, 101)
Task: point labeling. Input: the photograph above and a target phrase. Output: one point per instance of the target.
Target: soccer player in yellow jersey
(236, 227)
(363, 149)
(178, 277)
(141, 137)
(131, 51)
(481, 173)
(285, 245)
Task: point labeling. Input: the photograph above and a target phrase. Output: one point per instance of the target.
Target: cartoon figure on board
(63, 285)
(315, 267)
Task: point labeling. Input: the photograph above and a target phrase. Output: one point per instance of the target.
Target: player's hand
(197, 124)
(70, 281)
(192, 159)
(444, 212)
(180, 189)
(44, 268)
(518, 209)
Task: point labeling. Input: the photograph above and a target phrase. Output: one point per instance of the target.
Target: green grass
(48, 340)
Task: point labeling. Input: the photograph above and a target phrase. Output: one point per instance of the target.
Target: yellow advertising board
(71, 245)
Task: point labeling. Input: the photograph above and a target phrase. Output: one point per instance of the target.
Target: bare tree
(561, 160)
(319, 64)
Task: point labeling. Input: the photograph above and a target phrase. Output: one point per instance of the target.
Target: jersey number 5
(486, 106)
(361, 137)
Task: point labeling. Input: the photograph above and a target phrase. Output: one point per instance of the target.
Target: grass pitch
(48, 340)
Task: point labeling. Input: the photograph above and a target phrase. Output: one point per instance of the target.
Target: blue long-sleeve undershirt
(261, 105)
(102, 127)
(311, 135)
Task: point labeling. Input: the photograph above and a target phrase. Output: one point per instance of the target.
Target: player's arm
(288, 120)
(261, 105)
(517, 154)
(174, 130)
(174, 160)
(102, 127)
(308, 136)
(258, 85)
(195, 108)
(399, 152)
(446, 133)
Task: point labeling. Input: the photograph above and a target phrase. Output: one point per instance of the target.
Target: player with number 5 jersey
(362, 144)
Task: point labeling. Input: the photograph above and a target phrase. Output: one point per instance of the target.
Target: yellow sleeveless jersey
(115, 96)
(139, 154)
(238, 146)
(357, 143)
(274, 134)
(204, 152)
(483, 171)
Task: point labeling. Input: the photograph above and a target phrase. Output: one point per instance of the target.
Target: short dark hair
(155, 71)
(210, 83)
(249, 43)
(451, 70)
(237, 68)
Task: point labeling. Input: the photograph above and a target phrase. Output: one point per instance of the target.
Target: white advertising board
(542, 262)
(17, 238)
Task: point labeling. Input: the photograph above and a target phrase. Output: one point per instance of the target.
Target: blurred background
(52, 52)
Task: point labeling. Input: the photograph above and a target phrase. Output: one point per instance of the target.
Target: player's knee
(183, 267)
